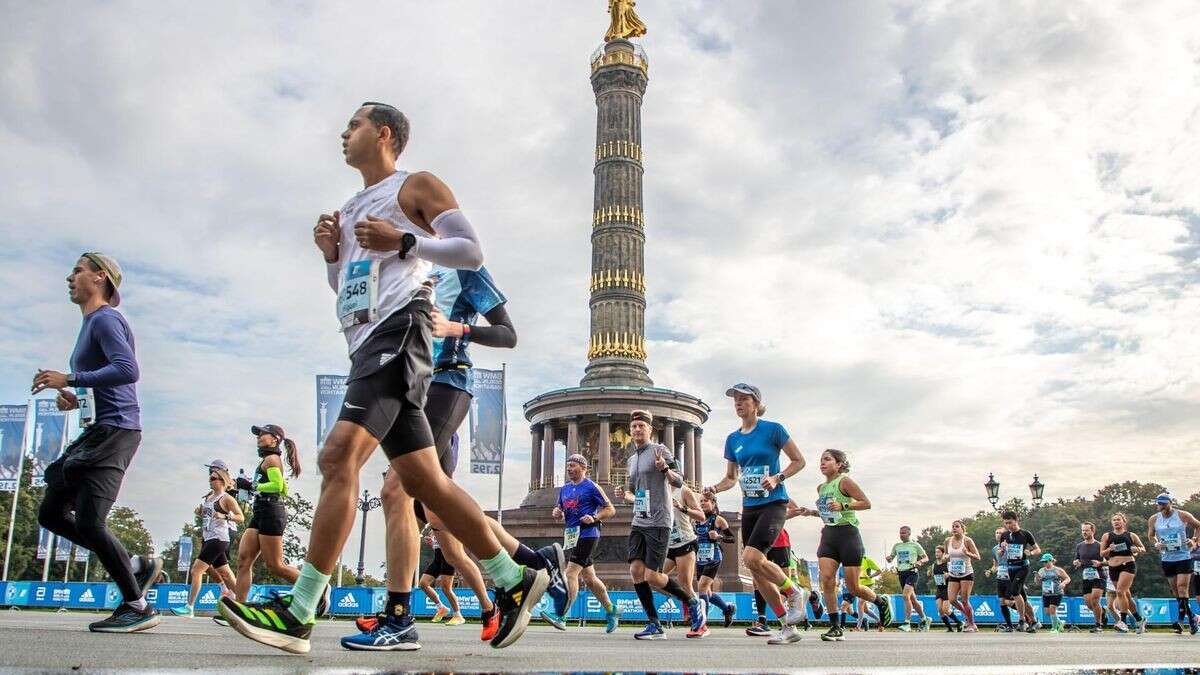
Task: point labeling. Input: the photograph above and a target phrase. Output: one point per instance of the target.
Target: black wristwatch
(407, 241)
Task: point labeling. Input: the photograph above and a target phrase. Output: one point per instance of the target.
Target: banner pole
(12, 516)
(49, 556)
(67, 564)
(503, 441)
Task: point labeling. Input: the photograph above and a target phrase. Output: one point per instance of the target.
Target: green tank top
(832, 492)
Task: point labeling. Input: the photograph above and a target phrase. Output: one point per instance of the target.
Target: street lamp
(993, 490)
(366, 503)
(1036, 488)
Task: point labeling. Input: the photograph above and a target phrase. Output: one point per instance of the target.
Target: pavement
(42, 641)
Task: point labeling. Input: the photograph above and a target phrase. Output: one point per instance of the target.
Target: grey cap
(578, 459)
(218, 464)
(109, 266)
(743, 388)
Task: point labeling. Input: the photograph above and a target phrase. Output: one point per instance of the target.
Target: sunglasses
(213, 476)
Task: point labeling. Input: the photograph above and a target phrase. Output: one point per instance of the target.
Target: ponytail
(293, 457)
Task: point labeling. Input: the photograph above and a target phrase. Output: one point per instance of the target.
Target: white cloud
(951, 238)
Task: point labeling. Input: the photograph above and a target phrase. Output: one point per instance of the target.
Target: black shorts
(215, 552)
(842, 543)
(943, 593)
(581, 554)
(438, 567)
(908, 578)
(446, 407)
(680, 551)
(1195, 585)
(1177, 567)
(269, 517)
(709, 570)
(959, 580)
(389, 379)
(1086, 586)
(780, 555)
(649, 544)
(761, 525)
(94, 464)
(1055, 600)
(1115, 572)
(1016, 582)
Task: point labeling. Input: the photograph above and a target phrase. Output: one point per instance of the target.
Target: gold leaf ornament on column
(624, 21)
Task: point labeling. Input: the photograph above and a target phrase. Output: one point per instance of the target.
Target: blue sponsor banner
(49, 437)
(185, 554)
(209, 596)
(488, 421)
(331, 390)
(12, 444)
(45, 541)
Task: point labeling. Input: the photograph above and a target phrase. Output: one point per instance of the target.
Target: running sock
(946, 620)
(139, 604)
(646, 597)
(676, 591)
(760, 604)
(1004, 612)
(1137, 615)
(528, 557)
(957, 621)
(1184, 608)
(398, 603)
(717, 601)
(307, 592)
(787, 589)
(835, 619)
(504, 570)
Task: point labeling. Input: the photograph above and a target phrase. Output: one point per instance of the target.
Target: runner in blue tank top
(583, 506)
(1168, 530)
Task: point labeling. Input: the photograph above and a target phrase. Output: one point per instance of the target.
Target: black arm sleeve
(500, 333)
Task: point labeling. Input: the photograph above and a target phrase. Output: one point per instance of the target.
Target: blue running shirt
(757, 454)
(462, 295)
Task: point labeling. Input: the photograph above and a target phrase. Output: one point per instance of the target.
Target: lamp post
(366, 503)
(1036, 490)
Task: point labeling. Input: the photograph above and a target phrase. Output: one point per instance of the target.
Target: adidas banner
(488, 421)
(12, 444)
(331, 389)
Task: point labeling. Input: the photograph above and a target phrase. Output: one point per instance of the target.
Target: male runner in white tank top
(378, 249)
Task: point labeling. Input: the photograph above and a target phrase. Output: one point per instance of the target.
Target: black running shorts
(908, 578)
(215, 552)
(710, 570)
(389, 380)
(680, 551)
(1115, 572)
(1048, 600)
(842, 543)
(581, 554)
(269, 517)
(649, 544)
(1086, 586)
(1171, 569)
(780, 555)
(1016, 581)
(446, 407)
(761, 525)
(959, 580)
(94, 464)
(438, 567)
(1195, 585)
(943, 593)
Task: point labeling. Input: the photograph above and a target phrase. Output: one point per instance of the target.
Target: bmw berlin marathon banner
(331, 389)
(12, 445)
(49, 438)
(185, 554)
(488, 422)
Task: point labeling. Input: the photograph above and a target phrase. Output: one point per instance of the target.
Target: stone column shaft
(535, 456)
(699, 455)
(548, 454)
(689, 451)
(604, 461)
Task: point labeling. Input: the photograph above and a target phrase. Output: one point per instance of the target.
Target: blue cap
(743, 388)
(1164, 498)
(1047, 557)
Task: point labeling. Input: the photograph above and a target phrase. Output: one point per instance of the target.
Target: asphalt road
(43, 640)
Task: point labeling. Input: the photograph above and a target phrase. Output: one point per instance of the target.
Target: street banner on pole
(81, 554)
(12, 445)
(488, 423)
(331, 389)
(62, 550)
(185, 554)
(44, 542)
(49, 438)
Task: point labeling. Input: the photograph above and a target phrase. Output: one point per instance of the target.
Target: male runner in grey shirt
(652, 473)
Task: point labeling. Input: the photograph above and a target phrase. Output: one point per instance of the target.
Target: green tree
(23, 563)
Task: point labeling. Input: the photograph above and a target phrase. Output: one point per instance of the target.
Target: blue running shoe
(556, 567)
(554, 619)
(388, 635)
(612, 619)
(698, 613)
(652, 631)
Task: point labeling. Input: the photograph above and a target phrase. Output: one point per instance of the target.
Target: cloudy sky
(948, 237)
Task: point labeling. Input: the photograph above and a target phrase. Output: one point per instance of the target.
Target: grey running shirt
(653, 506)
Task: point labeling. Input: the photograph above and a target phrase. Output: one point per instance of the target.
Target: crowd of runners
(406, 266)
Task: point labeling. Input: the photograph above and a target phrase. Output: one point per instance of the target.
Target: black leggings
(80, 516)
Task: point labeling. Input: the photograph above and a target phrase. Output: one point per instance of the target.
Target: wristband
(466, 331)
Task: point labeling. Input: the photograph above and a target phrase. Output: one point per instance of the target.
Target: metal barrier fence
(362, 600)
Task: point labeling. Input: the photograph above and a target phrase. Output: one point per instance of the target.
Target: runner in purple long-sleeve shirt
(83, 483)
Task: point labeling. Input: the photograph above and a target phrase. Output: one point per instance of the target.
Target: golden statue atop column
(625, 22)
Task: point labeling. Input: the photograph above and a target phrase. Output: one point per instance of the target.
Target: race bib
(752, 478)
(1002, 573)
(904, 557)
(1048, 587)
(1016, 552)
(1172, 540)
(87, 406)
(641, 504)
(958, 566)
(570, 537)
(705, 553)
(1120, 547)
(939, 579)
(358, 297)
(207, 523)
(1196, 567)
(828, 516)
(1090, 573)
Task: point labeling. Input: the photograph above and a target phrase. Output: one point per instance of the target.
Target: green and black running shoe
(884, 605)
(516, 604)
(269, 622)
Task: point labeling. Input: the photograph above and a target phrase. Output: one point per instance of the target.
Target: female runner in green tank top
(838, 500)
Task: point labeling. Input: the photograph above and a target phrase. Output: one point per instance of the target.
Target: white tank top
(399, 280)
(682, 531)
(211, 526)
(959, 565)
